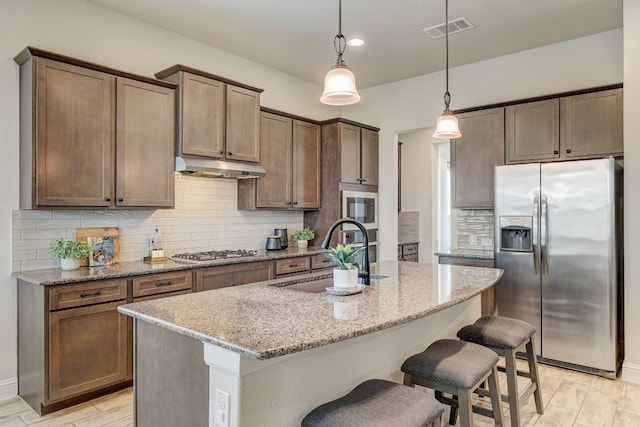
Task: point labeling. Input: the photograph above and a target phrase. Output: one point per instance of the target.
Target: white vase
(302, 244)
(69, 264)
(345, 278)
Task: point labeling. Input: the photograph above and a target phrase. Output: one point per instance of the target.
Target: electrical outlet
(221, 409)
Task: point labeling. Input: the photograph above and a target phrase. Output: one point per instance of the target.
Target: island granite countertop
(57, 276)
(266, 320)
(467, 253)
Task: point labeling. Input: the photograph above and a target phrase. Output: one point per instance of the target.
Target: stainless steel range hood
(218, 168)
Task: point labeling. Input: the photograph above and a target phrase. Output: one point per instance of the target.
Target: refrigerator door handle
(536, 203)
(544, 230)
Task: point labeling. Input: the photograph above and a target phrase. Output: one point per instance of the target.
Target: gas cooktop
(196, 257)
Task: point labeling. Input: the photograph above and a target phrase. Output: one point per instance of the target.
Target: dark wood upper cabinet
(243, 124)
(218, 118)
(533, 131)
(581, 126)
(93, 137)
(592, 124)
(474, 156)
(290, 152)
(145, 144)
(359, 154)
(202, 116)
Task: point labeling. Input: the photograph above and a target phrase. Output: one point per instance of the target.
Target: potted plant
(303, 236)
(69, 252)
(346, 274)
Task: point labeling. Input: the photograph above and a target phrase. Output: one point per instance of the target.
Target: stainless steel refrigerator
(558, 238)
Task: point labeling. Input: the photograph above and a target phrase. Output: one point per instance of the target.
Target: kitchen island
(264, 355)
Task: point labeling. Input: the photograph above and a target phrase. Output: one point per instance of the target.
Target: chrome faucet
(365, 273)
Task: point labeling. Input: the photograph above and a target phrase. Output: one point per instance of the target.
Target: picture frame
(105, 239)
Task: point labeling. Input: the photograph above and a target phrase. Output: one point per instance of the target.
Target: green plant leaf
(72, 249)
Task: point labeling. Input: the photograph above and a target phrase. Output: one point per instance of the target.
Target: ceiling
(296, 36)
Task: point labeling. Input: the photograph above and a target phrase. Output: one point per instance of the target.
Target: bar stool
(457, 368)
(378, 403)
(505, 336)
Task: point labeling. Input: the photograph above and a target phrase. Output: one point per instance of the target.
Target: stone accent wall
(408, 226)
(205, 218)
(475, 229)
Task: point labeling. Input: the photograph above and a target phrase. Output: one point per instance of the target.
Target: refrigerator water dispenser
(516, 233)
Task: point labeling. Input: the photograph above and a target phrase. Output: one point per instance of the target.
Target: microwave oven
(361, 206)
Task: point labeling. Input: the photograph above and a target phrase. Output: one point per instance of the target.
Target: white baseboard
(8, 388)
(631, 372)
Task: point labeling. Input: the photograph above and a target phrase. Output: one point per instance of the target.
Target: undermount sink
(314, 287)
(320, 285)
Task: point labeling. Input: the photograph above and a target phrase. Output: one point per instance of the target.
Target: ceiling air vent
(455, 26)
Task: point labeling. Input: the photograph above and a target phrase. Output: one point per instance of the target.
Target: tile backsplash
(205, 217)
(475, 229)
(408, 226)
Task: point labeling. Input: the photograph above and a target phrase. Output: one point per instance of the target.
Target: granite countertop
(261, 321)
(467, 253)
(56, 276)
(409, 242)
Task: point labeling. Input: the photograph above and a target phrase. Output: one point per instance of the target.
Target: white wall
(89, 32)
(631, 367)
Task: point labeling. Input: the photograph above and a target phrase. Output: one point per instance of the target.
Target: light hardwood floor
(570, 399)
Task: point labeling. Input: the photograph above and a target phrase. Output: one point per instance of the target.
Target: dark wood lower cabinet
(234, 275)
(88, 350)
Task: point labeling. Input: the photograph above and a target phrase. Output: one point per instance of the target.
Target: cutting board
(114, 232)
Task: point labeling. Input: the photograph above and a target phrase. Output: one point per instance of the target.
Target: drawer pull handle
(161, 284)
(90, 294)
(293, 265)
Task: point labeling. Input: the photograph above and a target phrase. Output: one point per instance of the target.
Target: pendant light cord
(447, 95)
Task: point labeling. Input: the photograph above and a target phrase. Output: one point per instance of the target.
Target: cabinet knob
(362, 180)
(568, 150)
(220, 152)
(555, 151)
(229, 153)
(121, 199)
(107, 199)
(295, 203)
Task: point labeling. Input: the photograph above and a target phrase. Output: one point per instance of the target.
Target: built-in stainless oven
(355, 237)
(361, 206)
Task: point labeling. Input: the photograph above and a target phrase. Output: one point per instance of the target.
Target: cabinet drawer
(410, 249)
(233, 275)
(320, 261)
(161, 283)
(412, 258)
(87, 293)
(292, 265)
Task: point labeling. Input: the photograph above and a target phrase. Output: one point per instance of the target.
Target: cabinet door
(349, 153)
(592, 124)
(306, 165)
(233, 275)
(75, 128)
(145, 141)
(87, 350)
(369, 157)
(203, 116)
(274, 189)
(243, 124)
(533, 131)
(474, 156)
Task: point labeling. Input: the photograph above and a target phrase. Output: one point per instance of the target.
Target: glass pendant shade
(447, 127)
(340, 87)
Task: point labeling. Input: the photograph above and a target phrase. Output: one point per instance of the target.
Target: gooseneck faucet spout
(365, 272)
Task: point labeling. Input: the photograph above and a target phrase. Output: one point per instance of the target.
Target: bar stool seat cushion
(458, 363)
(499, 332)
(377, 403)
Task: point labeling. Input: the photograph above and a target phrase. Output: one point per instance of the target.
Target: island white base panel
(280, 391)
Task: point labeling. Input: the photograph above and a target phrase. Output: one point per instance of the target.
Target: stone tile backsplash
(408, 226)
(205, 217)
(475, 229)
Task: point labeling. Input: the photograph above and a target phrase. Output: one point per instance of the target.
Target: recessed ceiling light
(355, 42)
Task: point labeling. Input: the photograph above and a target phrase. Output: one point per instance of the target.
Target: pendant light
(447, 124)
(339, 83)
